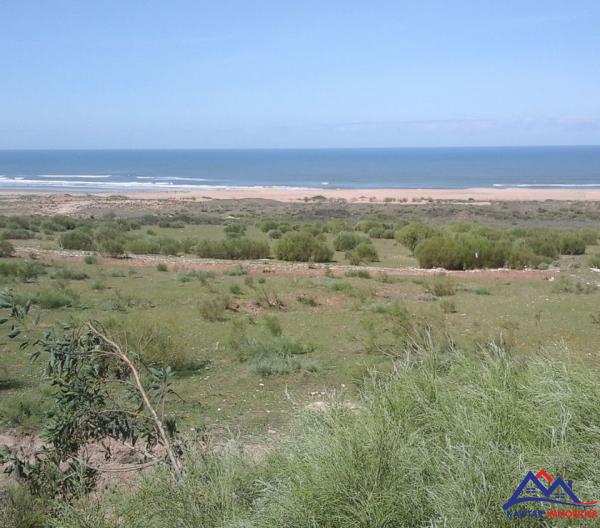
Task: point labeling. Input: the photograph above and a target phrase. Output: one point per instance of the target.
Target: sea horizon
(109, 170)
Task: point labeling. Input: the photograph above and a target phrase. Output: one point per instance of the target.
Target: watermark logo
(548, 498)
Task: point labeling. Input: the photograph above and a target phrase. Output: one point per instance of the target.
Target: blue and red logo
(545, 493)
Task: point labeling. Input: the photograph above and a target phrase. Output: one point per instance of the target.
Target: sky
(283, 74)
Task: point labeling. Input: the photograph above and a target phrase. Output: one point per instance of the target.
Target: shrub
(235, 289)
(361, 274)
(76, 240)
(545, 244)
(348, 240)
(98, 285)
(594, 261)
(275, 234)
(6, 249)
(202, 276)
(439, 252)
(169, 246)
(442, 286)
(90, 259)
(589, 236)
(143, 246)
(381, 232)
(233, 249)
(69, 274)
(412, 234)
(278, 355)
(273, 325)
(19, 508)
(308, 300)
(18, 234)
(303, 247)
(52, 299)
(448, 307)
(159, 345)
(567, 285)
(571, 244)
(110, 241)
(235, 230)
(213, 308)
(25, 271)
(362, 253)
(522, 256)
(161, 266)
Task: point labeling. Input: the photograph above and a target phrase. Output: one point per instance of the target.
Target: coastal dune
(284, 194)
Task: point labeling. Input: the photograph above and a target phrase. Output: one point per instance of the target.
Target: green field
(254, 345)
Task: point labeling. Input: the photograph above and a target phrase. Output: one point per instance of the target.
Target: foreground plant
(103, 395)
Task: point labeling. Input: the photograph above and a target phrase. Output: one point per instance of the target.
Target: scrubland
(362, 387)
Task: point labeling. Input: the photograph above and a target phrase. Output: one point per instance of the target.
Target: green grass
(443, 441)
(251, 351)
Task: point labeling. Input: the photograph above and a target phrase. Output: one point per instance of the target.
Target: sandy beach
(285, 194)
(168, 201)
(384, 195)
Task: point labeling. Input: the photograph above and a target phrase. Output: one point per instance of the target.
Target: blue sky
(145, 74)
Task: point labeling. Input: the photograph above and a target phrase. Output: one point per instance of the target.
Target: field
(258, 344)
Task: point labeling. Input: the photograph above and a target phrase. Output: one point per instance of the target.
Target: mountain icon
(558, 491)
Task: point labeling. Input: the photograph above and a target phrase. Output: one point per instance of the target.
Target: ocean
(121, 170)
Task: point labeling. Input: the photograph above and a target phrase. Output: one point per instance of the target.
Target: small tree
(102, 391)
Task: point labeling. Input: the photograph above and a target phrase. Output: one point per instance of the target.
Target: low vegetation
(300, 395)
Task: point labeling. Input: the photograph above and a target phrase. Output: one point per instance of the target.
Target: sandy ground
(163, 201)
(382, 195)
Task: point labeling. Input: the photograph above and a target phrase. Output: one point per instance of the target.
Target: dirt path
(277, 267)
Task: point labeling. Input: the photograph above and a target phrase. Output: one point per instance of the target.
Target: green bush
(348, 240)
(20, 509)
(26, 271)
(275, 234)
(235, 230)
(277, 356)
(268, 225)
(213, 308)
(439, 252)
(441, 286)
(161, 266)
(18, 234)
(159, 345)
(70, 274)
(303, 247)
(233, 249)
(110, 240)
(52, 299)
(169, 246)
(362, 253)
(594, 261)
(447, 306)
(143, 246)
(76, 240)
(412, 234)
(571, 244)
(90, 259)
(361, 274)
(381, 232)
(6, 249)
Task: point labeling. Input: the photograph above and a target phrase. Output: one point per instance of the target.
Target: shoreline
(287, 194)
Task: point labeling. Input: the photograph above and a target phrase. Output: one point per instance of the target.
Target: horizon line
(450, 147)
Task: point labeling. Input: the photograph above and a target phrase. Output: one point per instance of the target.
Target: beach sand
(79, 203)
(382, 195)
(284, 194)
